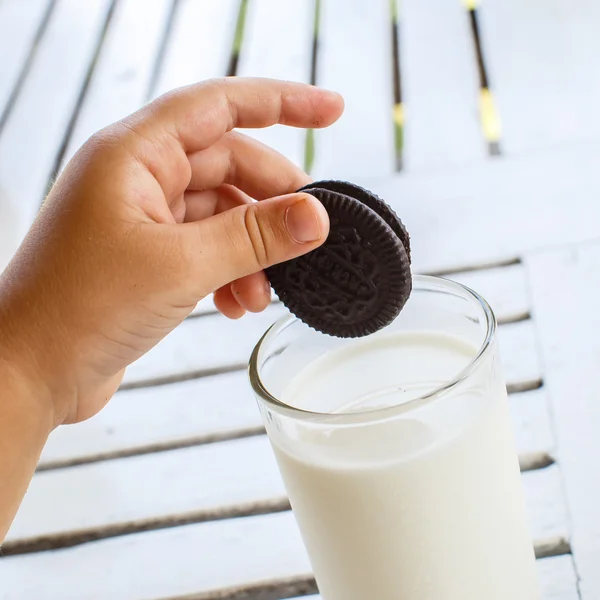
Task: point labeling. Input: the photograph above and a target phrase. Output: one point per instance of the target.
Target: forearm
(26, 419)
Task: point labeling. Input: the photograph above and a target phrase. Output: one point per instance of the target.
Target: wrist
(26, 420)
(23, 393)
(21, 382)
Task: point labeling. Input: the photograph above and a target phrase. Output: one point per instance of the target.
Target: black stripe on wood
(162, 50)
(39, 34)
(483, 78)
(82, 93)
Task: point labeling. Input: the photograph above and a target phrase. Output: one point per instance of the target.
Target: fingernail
(302, 220)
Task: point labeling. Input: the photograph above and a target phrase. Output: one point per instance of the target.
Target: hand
(150, 216)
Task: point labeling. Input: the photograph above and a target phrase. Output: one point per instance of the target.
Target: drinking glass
(397, 452)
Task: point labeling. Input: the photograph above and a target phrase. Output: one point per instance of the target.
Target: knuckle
(258, 236)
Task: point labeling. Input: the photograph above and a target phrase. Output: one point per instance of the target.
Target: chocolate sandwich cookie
(359, 280)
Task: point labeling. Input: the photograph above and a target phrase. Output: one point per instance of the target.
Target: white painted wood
(177, 561)
(184, 412)
(19, 24)
(277, 44)
(499, 210)
(161, 564)
(125, 65)
(34, 131)
(211, 478)
(505, 288)
(199, 44)
(213, 342)
(545, 502)
(518, 352)
(216, 408)
(205, 343)
(541, 56)
(440, 86)
(531, 421)
(564, 284)
(558, 580)
(355, 59)
(132, 490)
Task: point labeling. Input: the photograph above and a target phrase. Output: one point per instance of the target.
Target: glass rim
(389, 411)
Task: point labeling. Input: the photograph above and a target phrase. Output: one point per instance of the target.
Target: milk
(424, 504)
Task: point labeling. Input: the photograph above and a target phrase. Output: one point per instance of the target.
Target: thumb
(252, 237)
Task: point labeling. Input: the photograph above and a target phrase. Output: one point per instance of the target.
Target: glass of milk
(397, 453)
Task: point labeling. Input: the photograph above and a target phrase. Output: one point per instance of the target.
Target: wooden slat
(150, 418)
(558, 580)
(497, 211)
(545, 503)
(213, 342)
(20, 22)
(125, 65)
(531, 421)
(543, 78)
(518, 352)
(162, 564)
(196, 484)
(355, 59)
(34, 131)
(208, 479)
(199, 44)
(564, 284)
(440, 86)
(505, 288)
(210, 342)
(181, 560)
(277, 43)
(216, 408)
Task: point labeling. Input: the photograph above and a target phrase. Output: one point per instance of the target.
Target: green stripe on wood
(309, 150)
(239, 28)
(317, 22)
(238, 38)
(398, 116)
(309, 146)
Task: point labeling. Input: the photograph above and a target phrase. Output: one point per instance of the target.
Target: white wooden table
(172, 492)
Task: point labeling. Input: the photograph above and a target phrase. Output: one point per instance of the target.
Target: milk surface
(425, 505)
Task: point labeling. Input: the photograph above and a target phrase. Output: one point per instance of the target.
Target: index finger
(199, 115)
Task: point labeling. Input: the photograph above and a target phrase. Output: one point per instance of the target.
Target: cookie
(369, 199)
(356, 282)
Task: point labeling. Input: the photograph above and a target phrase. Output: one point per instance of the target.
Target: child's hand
(150, 216)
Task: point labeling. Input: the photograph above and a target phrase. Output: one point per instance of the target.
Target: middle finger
(239, 160)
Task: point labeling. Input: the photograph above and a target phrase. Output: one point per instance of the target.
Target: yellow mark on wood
(471, 4)
(399, 114)
(490, 120)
